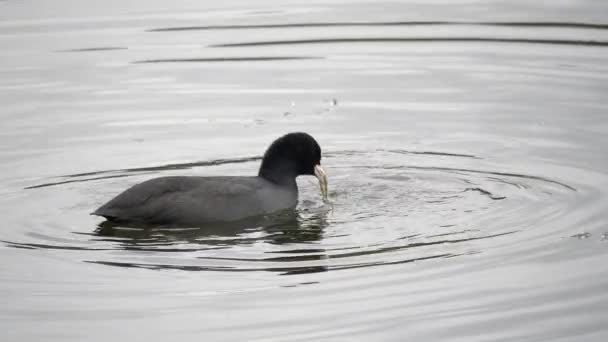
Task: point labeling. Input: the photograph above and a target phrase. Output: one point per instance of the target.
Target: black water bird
(186, 201)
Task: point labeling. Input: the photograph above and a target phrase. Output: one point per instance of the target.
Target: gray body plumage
(192, 201)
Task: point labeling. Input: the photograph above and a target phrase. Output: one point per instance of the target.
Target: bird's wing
(135, 198)
(172, 199)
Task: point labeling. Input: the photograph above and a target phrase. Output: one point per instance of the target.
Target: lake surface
(465, 143)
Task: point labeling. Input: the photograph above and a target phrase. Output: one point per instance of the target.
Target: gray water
(464, 142)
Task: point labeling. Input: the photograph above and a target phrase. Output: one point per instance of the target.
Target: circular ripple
(381, 211)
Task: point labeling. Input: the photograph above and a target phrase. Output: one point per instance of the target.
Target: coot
(182, 201)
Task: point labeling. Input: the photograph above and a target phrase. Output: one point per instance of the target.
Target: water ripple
(224, 59)
(320, 238)
(387, 23)
(415, 40)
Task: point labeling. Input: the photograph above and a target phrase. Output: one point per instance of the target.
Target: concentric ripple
(386, 207)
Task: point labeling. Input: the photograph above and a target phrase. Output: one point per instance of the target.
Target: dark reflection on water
(287, 227)
(280, 228)
(277, 234)
(284, 228)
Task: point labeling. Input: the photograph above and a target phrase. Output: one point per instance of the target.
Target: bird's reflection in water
(289, 229)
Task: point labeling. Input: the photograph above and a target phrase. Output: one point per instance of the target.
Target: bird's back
(192, 201)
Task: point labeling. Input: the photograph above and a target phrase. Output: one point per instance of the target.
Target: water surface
(464, 143)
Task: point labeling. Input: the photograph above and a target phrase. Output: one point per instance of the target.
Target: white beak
(322, 177)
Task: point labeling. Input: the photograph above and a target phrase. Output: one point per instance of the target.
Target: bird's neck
(279, 173)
